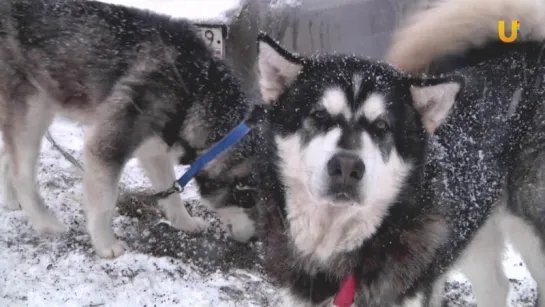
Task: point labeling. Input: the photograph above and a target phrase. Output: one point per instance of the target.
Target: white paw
(242, 232)
(12, 205)
(8, 192)
(47, 224)
(10, 198)
(193, 224)
(105, 243)
(179, 218)
(238, 223)
(114, 250)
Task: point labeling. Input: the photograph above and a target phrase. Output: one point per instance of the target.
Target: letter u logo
(501, 31)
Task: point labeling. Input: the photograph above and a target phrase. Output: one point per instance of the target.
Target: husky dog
(460, 35)
(145, 85)
(384, 176)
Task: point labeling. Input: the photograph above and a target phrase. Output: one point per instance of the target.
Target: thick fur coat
(437, 152)
(144, 84)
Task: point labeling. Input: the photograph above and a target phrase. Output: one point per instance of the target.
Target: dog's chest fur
(319, 232)
(385, 264)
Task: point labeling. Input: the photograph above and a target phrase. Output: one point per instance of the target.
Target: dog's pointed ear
(278, 68)
(434, 98)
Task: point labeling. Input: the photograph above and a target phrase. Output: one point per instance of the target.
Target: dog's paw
(180, 219)
(8, 193)
(12, 205)
(104, 242)
(6, 186)
(193, 224)
(47, 224)
(10, 198)
(238, 224)
(114, 250)
(241, 232)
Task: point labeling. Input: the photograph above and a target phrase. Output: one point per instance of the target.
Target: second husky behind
(145, 84)
(461, 34)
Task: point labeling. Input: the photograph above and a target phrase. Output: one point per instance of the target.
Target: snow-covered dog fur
(452, 36)
(384, 175)
(145, 85)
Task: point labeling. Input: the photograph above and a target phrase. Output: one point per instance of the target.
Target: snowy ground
(165, 267)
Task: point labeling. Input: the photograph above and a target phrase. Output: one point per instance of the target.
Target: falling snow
(163, 270)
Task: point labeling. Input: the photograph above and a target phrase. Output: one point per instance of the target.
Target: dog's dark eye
(381, 125)
(319, 114)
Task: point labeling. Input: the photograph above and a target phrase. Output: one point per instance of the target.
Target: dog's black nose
(345, 168)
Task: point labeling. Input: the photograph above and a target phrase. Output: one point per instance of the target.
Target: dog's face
(348, 130)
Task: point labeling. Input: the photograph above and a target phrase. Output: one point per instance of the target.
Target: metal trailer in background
(345, 26)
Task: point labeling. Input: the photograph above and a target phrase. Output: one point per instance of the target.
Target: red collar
(345, 296)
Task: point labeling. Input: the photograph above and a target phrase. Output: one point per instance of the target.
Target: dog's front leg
(160, 170)
(104, 157)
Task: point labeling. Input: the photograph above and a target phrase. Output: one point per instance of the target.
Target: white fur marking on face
(356, 84)
(317, 227)
(382, 180)
(372, 108)
(276, 72)
(334, 101)
(315, 158)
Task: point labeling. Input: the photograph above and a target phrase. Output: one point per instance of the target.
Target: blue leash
(229, 140)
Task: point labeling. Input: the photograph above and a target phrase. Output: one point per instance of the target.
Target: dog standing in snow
(146, 85)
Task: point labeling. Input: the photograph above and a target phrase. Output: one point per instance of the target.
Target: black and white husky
(393, 178)
(145, 85)
(460, 36)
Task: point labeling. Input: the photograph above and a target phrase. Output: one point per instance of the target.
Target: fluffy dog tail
(453, 26)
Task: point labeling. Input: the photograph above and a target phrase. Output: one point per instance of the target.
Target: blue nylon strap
(229, 140)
